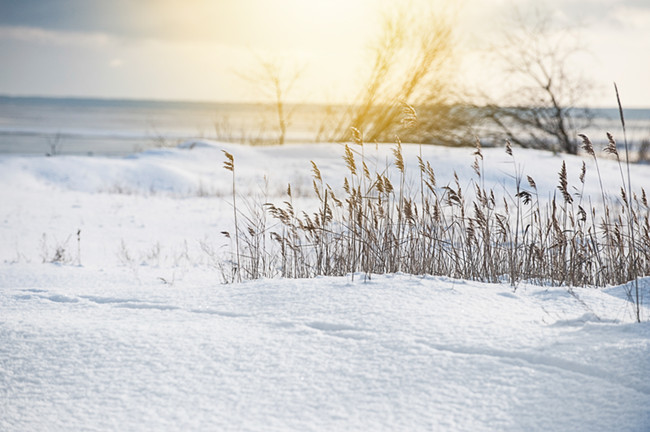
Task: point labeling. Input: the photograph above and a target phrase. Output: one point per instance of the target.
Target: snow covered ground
(126, 326)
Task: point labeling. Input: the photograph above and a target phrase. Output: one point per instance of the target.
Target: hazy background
(191, 49)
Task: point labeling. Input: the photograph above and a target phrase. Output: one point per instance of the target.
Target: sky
(199, 49)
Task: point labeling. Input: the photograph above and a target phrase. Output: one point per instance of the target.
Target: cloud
(51, 37)
(150, 19)
(235, 22)
(597, 13)
(57, 15)
(633, 17)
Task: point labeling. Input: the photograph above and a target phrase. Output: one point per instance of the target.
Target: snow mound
(85, 351)
(195, 168)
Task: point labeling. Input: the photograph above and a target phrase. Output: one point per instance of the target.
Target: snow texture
(131, 330)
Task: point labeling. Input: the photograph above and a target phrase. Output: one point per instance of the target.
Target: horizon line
(224, 102)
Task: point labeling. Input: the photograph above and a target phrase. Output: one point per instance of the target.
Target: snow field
(392, 353)
(142, 336)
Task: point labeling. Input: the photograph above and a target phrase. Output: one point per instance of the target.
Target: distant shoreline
(36, 124)
(136, 101)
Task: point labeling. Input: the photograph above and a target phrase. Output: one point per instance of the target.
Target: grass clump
(378, 223)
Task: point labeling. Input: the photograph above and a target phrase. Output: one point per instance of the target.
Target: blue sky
(193, 49)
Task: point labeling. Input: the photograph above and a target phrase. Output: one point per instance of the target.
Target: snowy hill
(113, 317)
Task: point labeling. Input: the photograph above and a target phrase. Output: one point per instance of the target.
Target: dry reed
(382, 225)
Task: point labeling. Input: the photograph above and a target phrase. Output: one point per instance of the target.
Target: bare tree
(275, 80)
(413, 65)
(54, 143)
(544, 103)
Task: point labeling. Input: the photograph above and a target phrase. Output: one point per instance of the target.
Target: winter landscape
(352, 215)
(115, 317)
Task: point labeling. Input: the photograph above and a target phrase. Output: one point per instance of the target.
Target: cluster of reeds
(379, 224)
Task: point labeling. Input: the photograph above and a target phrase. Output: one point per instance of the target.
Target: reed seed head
(229, 163)
(611, 145)
(587, 146)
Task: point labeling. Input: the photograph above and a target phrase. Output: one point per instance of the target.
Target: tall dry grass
(379, 224)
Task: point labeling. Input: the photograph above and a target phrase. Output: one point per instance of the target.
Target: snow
(133, 330)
